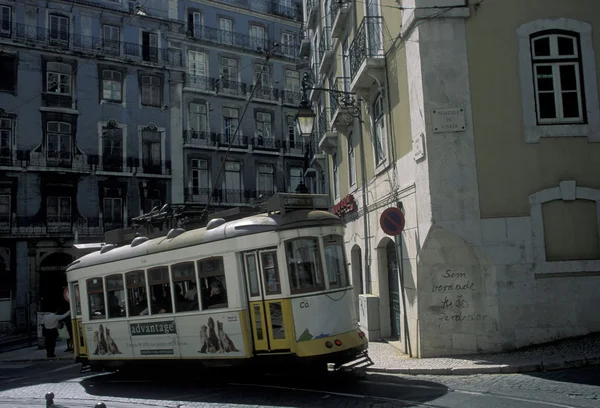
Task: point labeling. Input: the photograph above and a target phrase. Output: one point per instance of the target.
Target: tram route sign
(392, 221)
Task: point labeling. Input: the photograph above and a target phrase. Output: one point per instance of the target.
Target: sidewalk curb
(30, 360)
(591, 361)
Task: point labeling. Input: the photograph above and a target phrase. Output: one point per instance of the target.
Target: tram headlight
(328, 344)
(338, 342)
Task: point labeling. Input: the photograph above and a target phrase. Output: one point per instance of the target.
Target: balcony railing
(367, 43)
(265, 143)
(211, 139)
(292, 97)
(322, 129)
(30, 226)
(244, 42)
(225, 196)
(266, 93)
(94, 45)
(267, 6)
(54, 100)
(324, 43)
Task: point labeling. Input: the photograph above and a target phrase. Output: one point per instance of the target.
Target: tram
(270, 288)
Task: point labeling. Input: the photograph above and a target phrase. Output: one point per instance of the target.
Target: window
(229, 74)
(151, 91)
(296, 177)
(262, 80)
(112, 149)
(5, 20)
(149, 46)
(379, 139)
(226, 30)
(198, 120)
(151, 151)
(304, 265)
(95, 291)
(265, 178)
(195, 23)
(152, 200)
(288, 44)
(197, 69)
(112, 86)
(233, 179)
(346, 64)
(557, 68)
(112, 206)
(184, 286)
(58, 209)
(8, 72)
(263, 127)
(258, 38)
(336, 176)
(200, 178)
(111, 40)
(291, 131)
(77, 297)
(115, 293)
(58, 138)
(268, 261)
(351, 160)
(137, 299)
(335, 261)
(213, 290)
(6, 138)
(58, 78)
(160, 290)
(5, 204)
(558, 79)
(230, 123)
(59, 29)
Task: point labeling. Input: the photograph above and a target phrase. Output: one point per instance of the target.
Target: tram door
(270, 315)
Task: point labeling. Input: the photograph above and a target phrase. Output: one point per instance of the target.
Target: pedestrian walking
(50, 324)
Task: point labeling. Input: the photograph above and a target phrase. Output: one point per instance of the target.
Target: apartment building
(238, 51)
(109, 109)
(479, 121)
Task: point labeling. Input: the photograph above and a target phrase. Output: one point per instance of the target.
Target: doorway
(53, 281)
(394, 288)
(270, 315)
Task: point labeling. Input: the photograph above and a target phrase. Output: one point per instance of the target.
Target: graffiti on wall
(453, 293)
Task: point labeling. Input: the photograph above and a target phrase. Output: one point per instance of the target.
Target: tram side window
(137, 298)
(304, 265)
(213, 291)
(335, 261)
(115, 292)
(183, 276)
(95, 290)
(77, 299)
(160, 290)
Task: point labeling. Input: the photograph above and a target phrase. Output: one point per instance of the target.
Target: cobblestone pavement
(35, 354)
(568, 353)
(25, 384)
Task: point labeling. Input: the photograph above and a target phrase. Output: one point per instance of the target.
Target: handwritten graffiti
(457, 289)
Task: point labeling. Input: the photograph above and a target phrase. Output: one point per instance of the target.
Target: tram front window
(304, 265)
(160, 290)
(184, 286)
(95, 290)
(335, 261)
(137, 299)
(116, 296)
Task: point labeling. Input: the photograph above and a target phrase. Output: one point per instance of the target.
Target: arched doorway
(53, 280)
(394, 288)
(357, 275)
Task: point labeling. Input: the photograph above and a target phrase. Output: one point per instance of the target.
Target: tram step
(362, 361)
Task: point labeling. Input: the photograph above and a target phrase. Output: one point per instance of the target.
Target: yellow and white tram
(271, 287)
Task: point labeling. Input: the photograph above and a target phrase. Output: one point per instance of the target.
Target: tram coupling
(359, 364)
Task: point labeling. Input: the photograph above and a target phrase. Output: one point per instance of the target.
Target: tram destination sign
(289, 201)
(153, 328)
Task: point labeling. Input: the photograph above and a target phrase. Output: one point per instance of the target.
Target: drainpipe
(363, 172)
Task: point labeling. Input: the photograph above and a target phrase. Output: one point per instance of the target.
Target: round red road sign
(392, 221)
(66, 295)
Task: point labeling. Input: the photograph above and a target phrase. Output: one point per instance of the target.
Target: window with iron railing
(112, 86)
(6, 139)
(58, 142)
(111, 39)
(265, 181)
(58, 209)
(112, 149)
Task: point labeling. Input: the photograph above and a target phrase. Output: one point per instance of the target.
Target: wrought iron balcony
(161, 167)
(267, 6)
(43, 37)
(244, 42)
(292, 98)
(315, 155)
(339, 115)
(366, 54)
(295, 148)
(265, 93)
(54, 100)
(326, 54)
(200, 83)
(312, 12)
(56, 226)
(265, 143)
(195, 138)
(304, 42)
(220, 196)
(228, 87)
(339, 13)
(327, 137)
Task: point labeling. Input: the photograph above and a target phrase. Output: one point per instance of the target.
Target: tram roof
(216, 230)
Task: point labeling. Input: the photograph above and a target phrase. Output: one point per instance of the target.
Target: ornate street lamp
(305, 119)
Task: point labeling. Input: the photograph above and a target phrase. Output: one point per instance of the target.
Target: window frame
(112, 89)
(534, 132)
(149, 90)
(201, 275)
(319, 259)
